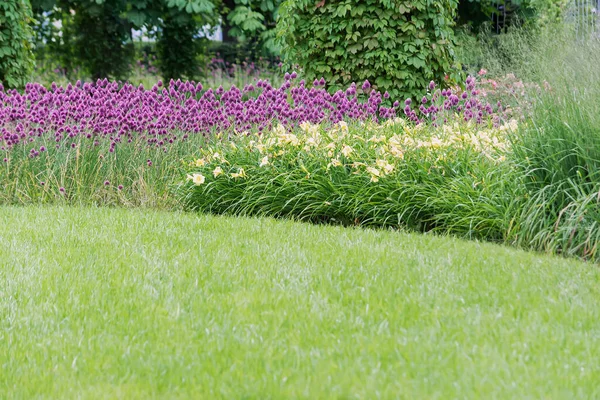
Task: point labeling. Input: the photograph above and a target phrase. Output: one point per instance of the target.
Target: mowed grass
(114, 303)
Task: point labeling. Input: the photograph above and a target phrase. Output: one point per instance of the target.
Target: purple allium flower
(431, 85)
(424, 100)
(120, 187)
(366, 85)
(61, 189)
(42, 183)
(106, 183)
(407, 102)
(116, 114)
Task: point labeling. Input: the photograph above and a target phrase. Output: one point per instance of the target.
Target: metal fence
(504, 15)
(583, 16)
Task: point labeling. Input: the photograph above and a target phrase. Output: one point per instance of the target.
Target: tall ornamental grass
(558, 150)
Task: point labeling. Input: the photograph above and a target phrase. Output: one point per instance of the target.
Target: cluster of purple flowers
(465, 104)
(164, 115)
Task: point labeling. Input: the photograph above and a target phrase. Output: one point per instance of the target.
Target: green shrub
(398, 45)
(16, 56)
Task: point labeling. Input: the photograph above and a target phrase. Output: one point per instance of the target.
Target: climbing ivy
(16, 56)
(398, 45)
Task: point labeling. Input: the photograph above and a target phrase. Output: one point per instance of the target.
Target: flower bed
(390, 174)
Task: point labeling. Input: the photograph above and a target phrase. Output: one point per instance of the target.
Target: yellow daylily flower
(198, 179)
(343, 126)
(347, 150)
(385, 166)
(217, 171)
(335, 163)
(240, 174)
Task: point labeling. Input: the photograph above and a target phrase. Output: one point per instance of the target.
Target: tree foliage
(398, 45)
(103, 37)
(177, 45)
(96, 34)
(253, 20)
(16, 56)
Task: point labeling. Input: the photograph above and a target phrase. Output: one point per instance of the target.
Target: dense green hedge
(16, 56)
(398, 45)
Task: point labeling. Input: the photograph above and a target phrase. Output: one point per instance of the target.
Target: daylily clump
(372, 149)
(388, 173)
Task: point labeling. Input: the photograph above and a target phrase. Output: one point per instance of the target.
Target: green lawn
(114, 303)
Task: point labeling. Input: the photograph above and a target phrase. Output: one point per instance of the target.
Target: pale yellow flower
(377, 139)
(264, 161)
(392, 122)
(396, 152)
(288, 138)
(344, 126)
(386, 166)
(436, 142)
(309, 128)
(335, 162)
(347, 150)
(279, 130)
(240, 174)
(261, 148)
(200, 162)
(305, 126)
(375, 174)
(198, 179)
(217, 171)
(313, 141)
